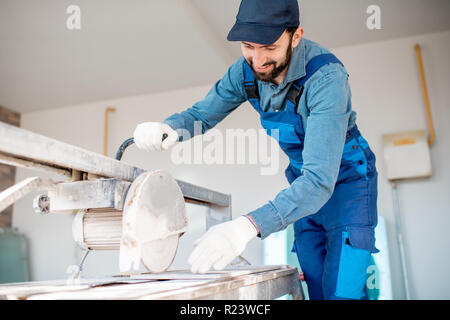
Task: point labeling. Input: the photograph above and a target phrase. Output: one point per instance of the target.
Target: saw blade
(154, 217)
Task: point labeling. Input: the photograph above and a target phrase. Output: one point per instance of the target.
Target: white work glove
(149, 136)
(221, 244)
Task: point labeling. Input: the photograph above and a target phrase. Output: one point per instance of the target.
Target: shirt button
(354, 147)
(360, 162)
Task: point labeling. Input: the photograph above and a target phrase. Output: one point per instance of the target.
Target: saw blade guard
(154, 217)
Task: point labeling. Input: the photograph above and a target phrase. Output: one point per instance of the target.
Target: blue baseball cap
(264, 21)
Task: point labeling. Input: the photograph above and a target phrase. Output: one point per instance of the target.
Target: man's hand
(149, 136)
(221, 244)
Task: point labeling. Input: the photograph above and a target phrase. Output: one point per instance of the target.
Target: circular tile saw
(149, 227)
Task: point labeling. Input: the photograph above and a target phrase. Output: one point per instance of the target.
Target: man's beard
(277, 70)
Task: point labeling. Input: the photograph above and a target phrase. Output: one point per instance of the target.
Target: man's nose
(259, 58)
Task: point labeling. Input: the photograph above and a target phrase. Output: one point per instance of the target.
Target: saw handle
(129, 142)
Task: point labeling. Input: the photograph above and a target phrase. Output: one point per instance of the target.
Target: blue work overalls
(334, 245)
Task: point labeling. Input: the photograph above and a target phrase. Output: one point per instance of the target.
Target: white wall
(387, 97)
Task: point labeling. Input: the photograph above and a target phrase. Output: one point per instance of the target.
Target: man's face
(268, 61)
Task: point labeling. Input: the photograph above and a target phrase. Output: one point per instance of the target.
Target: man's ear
(297, 36)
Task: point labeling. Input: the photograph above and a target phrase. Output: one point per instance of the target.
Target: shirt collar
(296, 67)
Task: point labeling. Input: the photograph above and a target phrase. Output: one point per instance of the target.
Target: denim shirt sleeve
(226, 95)
(328, 100)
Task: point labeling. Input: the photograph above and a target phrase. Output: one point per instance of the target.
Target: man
(300, 89)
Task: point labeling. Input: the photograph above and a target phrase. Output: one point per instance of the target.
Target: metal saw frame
(91, 180)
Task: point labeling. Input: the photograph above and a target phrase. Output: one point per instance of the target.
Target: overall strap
(250, 85)
(312, 66)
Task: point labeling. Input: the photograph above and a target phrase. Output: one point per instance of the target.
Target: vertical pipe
(105, 140)
(400, 239)
(425, 95)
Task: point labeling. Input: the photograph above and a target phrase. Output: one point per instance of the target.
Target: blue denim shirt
(326, 111)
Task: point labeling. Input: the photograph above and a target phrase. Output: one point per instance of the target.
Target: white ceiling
(135, 47)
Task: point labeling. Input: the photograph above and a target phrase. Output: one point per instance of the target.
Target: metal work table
(237, 283)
